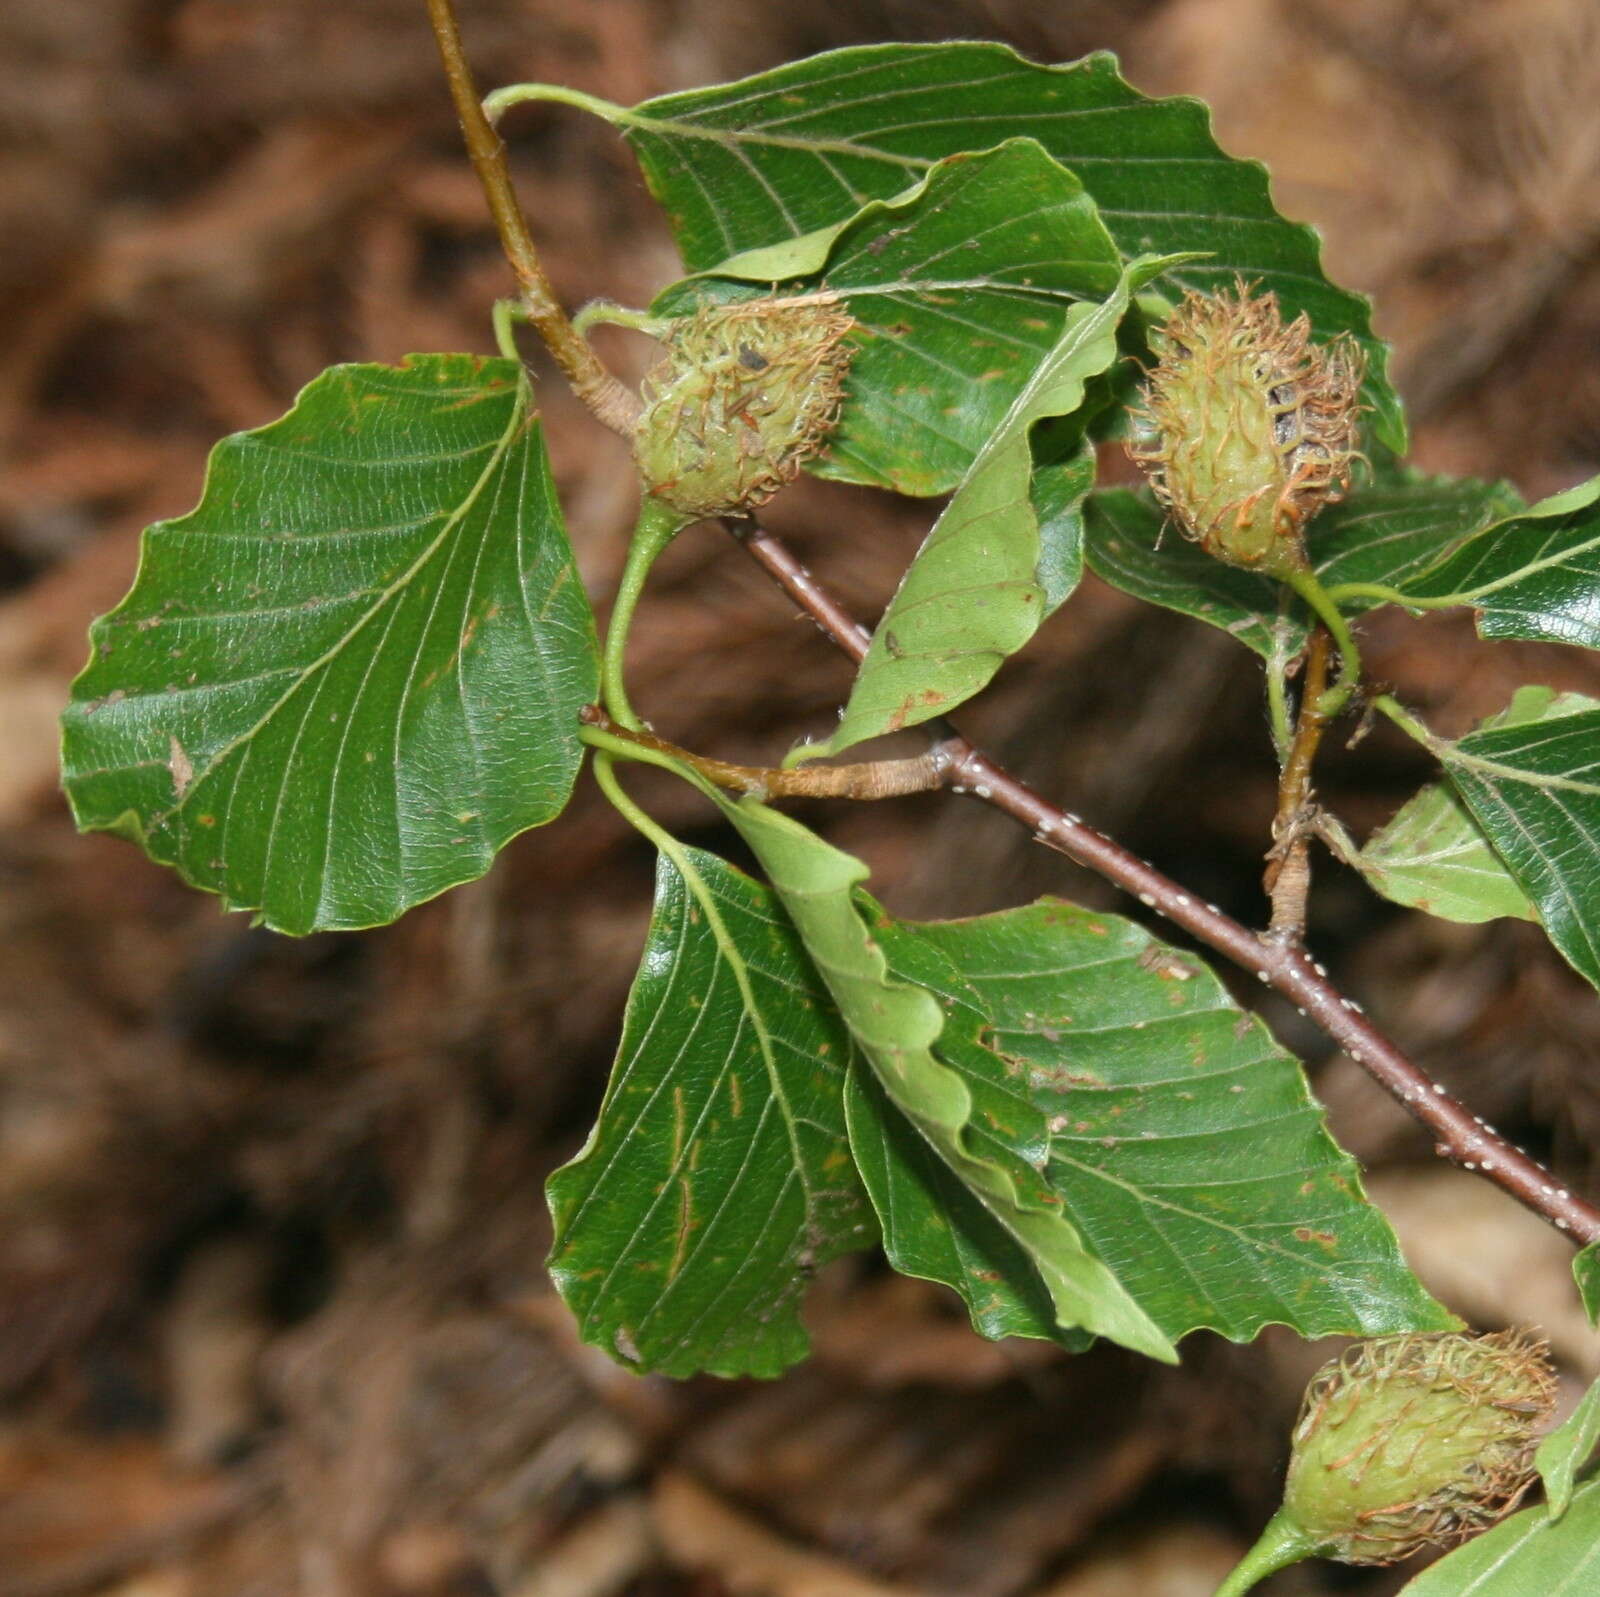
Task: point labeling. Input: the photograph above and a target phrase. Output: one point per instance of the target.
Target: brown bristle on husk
(1408, 1442)
(747, 394)
(1248, 428)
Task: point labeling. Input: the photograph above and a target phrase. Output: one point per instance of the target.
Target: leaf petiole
(496, 105)
(657, 525)
(605, 774)
(1305, 583)
(606, 313)
(506, 314)
(1384, 594)
(1278, 717)
(1387, 704)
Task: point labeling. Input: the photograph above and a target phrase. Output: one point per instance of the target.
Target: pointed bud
(1248, 428)
(1410, 1441)
(746, 395)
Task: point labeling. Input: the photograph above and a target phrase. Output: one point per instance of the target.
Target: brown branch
(611, 402)
(1288, 875)
(871, 779)
(1279, 962)
(1461, 1136)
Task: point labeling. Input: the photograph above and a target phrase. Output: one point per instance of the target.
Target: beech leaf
(896, 1026)
(959, 288)
(1434, 857)
(972, 596)
(717, 1177)
(1532, 574)
(353, 673)
(744, 165)
(1531, 778)
(1184, 1142)
(1530, 1554)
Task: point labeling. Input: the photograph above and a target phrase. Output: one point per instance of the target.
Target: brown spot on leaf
(180, 765)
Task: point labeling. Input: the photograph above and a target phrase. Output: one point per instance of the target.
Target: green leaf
(961, 287)
(1433, 857)
(352, 674)
(935, 1229)
(1531, 779)
(1387, 531)
(1586, 1272)
(1128, 544)
(1384, 532)
(718, 1175)
(1006, 1125)
(1528, 1555)
(933, 1225)
(1567, 1449)
(1059, 492)
(896, 1026)
(1534, 574)
(971, 597)
(749, 164)
(1184, 1142)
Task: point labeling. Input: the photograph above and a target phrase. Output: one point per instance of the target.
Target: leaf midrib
(728, 949)
(1521, 574)
(1522, 775)
(501, 449)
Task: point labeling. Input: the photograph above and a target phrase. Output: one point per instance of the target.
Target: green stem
(605, 774)
(1278, 708)
(1453, 755)
(727, 945)
(605, 313)
(1387, 595)
(497, 104)
(607, 399)
(506, 314)
(1282, 1543)
(657, 526)
(1305, 583)
(611, 746)
(1407, 722)
(502, 100)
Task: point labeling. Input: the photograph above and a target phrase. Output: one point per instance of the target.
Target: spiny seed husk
(1248, 428)
(1413, 1441)
(746, 395)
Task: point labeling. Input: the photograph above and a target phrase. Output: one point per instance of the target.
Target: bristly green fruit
(1415, 1441)
(1248, 428)
(746, 395)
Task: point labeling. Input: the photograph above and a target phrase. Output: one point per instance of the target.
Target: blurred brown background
(272, 1312)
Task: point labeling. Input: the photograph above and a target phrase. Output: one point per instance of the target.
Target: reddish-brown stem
(1288, 875)
(1281, 963)
(1461, 1136)
(871, 779)
(774, 557)
(609, 400)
